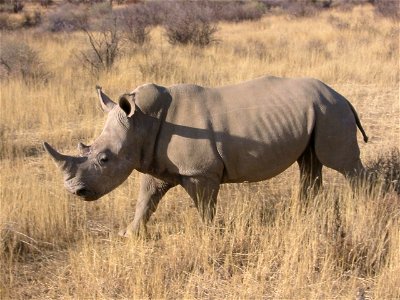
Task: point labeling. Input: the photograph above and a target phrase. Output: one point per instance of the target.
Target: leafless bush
(67, 17)
(190, 23)
(104, 46)
(387, 167)
(17, 59)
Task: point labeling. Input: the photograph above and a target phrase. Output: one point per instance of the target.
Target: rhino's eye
(102, 158)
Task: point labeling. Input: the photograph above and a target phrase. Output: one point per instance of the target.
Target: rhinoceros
(200, 137)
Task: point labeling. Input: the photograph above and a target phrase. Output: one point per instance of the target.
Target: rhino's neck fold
(152, 103)
(148, 148)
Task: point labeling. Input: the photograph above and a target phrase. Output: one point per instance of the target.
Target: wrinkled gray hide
(201, 137)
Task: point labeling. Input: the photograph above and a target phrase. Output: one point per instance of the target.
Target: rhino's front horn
(61, 160)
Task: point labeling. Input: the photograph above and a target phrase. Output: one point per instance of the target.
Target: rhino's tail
(358, 122)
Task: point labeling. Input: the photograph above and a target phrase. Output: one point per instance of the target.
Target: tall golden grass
(264, 243)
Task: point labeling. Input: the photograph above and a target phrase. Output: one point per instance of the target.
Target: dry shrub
(32, 19)
(338, 23)
(15, 22)
(99, 16)
(236, 11)
(46, 3)
(387, 8)
(86, 1)
(295, 8)
(67, 18)
(300, 9)
(155, 12)
(135, 22)
(4, 22)
(18, 59)
(190, 23)
(11, 6)
(100, 9)
(387, 167)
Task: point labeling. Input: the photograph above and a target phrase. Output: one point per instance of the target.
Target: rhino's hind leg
(204, 192)
(310, 173)
(345, 158)
(355, 173)
(150, 194)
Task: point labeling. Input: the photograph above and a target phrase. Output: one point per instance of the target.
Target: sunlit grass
(263, 243)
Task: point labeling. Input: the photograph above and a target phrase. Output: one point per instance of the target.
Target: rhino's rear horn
(83, 149)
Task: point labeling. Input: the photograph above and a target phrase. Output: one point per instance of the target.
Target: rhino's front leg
(204, 192)
(150, 193)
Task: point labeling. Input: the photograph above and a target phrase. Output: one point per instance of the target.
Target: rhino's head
(105, 164)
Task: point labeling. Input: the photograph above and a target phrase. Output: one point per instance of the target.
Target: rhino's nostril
(81, 192)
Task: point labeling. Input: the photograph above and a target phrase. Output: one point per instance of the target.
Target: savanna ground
(264, 243)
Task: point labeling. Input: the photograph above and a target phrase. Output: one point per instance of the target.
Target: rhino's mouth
(86, 194)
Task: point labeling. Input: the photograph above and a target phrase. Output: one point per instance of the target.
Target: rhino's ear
(127, 104)
(106, 103)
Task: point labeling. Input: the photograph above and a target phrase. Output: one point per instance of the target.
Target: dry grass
(263, 243)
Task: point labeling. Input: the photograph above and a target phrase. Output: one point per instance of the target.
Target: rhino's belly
(257, 160)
